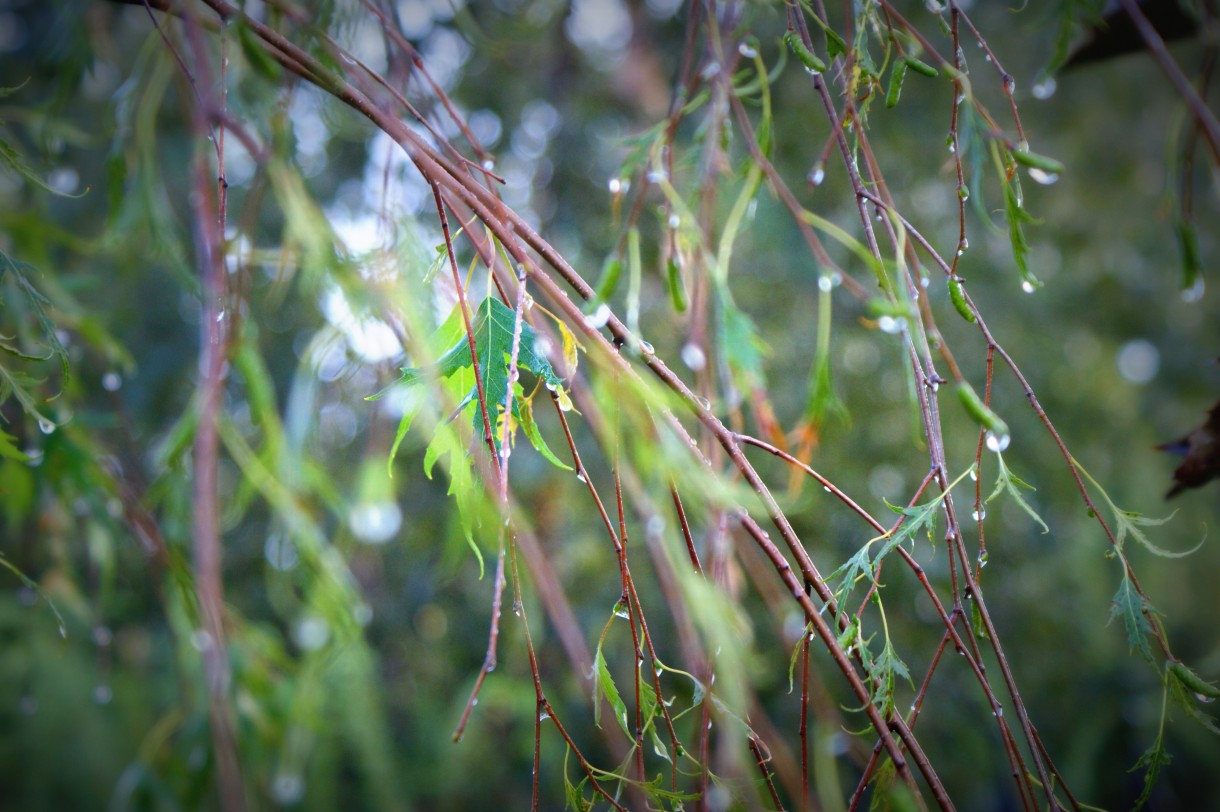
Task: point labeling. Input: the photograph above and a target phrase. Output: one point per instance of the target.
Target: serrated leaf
(1008, 482)
(20, 271)
(1134, 609)
(526, 414)
(603, 686)
(493, 326)
(1017, 217)
(9, 450)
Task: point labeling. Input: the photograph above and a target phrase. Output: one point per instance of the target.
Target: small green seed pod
(677, 285)
(959, 299)
(921, 67)
(986, 418)
(1193, 682)
(1036, 161)
(806, 57)
(896, 76)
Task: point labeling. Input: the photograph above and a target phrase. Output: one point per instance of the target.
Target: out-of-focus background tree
(356, 616)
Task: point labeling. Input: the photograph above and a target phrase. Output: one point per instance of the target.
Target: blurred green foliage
(358, 619)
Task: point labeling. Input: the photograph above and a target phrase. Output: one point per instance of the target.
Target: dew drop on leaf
(997, 442)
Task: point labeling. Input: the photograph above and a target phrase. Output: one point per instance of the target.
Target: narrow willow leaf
(612, 268)
(256, 53)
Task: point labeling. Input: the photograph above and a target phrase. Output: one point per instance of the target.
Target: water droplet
(812, 71)
(1204, 699)
(517, 608)
(693, 357)
(616, 186)
(543, 716)
(997, 442)
(974, 475)
(889, 324)
(826, 488)
(375, 522)
(598, 318)
(709, 70)
(489, 165)
(201, 640)
(952, 148)
(287, 788)
(1028, 286)
(111, 381)
(1042, 176)
(817, 174)
(1010, 84)
(102, 694)
(311, 633)
(220, 316)
(646, 348)
(674, 221)
(657, 176)
(1045, 89)
(45, 426)
(704, 403)
(963, 192)
(979, 514)
(1195, 292)
(747, 51)
(824, 283)
(620, 610)
(280, 552)
(1138, 361)
(580, 476)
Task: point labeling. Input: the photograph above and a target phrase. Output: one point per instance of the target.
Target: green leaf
(526, 413)
(603, 685)
(1008, 482)
(21, 271)
(493, 326)
(9, 450)
(1153, 759)
(1187, 690)
(741, 346)
(1017, 217)
(1134, 610)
